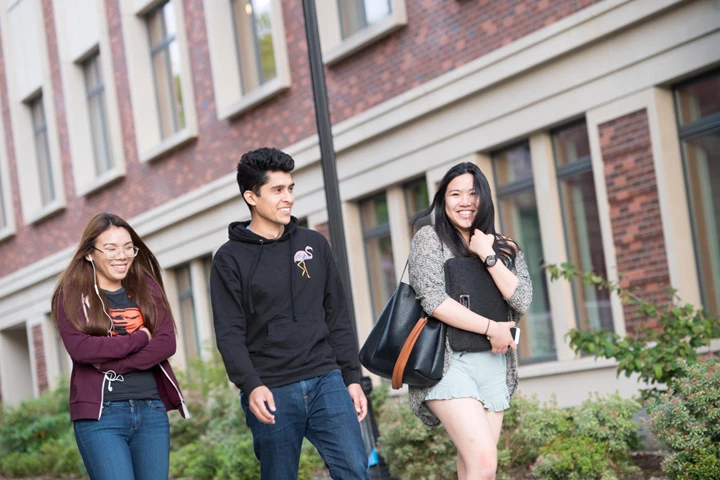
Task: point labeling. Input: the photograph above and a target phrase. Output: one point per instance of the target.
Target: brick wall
(40, 365)
(456, 32)
(635, 210)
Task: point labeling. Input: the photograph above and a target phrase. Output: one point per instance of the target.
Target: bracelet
(488, 327)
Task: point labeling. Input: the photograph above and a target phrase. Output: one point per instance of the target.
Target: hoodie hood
(238, 232)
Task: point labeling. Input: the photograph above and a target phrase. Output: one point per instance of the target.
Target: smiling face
(462, 203)
(272, 207)
(110, 273)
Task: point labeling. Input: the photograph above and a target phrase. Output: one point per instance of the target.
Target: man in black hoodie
(284, 331)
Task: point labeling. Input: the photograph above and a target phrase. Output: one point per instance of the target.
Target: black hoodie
(279, 309)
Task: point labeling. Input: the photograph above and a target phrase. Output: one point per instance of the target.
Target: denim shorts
(478, 375)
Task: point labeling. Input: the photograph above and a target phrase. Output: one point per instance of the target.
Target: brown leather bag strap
(399, 370)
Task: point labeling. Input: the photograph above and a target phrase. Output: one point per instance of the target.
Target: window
(698, 112)
(166, 68)
(518, 214)
(42, 150)
(582, 224)
(187, 312)
(94, 132)
(159, 75)
(347, 26)
(417, 199)
(248, 53)
(95, 91)
(378, 250)
(356, 15)
(252, 22)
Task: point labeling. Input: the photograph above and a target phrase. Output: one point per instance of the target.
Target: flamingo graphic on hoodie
(300, 258)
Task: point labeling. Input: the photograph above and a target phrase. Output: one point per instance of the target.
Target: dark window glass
(518, 214)
(42, 150)
(356, 15)
(378, 250)
(698, 110)
(166, 68)
(582, 224)
(95, 92)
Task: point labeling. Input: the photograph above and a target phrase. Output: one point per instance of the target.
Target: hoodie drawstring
(292, 283)
(252, 272)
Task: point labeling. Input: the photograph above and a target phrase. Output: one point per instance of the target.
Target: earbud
(88, 258)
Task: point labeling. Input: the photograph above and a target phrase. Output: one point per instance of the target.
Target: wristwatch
(490, 260)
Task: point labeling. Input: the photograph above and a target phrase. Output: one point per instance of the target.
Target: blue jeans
(130, 441)
(319, 409)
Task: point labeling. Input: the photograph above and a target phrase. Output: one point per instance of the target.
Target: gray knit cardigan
(427, 277)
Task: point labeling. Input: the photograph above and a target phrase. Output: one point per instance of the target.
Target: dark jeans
(319, 409)
(130, 441)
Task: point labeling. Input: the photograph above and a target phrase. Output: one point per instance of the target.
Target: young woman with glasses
(113, 316)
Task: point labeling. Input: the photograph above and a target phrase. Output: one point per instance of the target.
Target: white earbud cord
(97, 292)
(110, 375)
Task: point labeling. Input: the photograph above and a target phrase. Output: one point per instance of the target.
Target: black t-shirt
(127, 320)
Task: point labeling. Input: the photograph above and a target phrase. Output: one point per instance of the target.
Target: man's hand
(257, 400)
(359, 401)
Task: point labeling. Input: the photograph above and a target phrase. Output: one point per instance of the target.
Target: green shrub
(651, 353)
(609, 420)
(412, 450)
(36, 437)
(687, 419)
(572, 458)
(587, 442)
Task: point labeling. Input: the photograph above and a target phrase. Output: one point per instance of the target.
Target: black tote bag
(382, 348)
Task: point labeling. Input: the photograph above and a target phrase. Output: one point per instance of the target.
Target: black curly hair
(254, 165)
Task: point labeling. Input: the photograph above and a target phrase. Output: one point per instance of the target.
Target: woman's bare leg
(473, 433)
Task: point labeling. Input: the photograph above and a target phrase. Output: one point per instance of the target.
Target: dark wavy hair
(484, 220)
(77, 281)
(253, 168)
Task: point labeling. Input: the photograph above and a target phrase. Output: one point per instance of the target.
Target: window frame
(81, 35)
(692, 130)
(148, 131)
(562, 172)
(163, 48)
(336, 48)
(40, 134)
(22, 29)
(183, 295)
(93, 62)
(230, 100)
(513, 188)
(373, 233)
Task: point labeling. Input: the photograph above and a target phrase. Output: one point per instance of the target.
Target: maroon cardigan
(120, 354)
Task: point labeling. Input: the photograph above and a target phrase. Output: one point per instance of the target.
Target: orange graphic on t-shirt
(126, 320)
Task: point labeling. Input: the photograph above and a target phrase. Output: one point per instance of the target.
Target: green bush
(36, 438)
(578, 458)
(653, 354)
(592, 441)
(687, 419)
(412, 450)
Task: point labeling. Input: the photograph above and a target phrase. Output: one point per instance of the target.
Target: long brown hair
(77, 281)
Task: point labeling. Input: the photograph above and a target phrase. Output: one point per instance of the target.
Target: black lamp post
(332, 200)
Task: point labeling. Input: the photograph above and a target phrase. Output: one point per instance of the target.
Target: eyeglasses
(130, 251)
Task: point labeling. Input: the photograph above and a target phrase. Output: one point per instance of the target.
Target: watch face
(490, 260)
